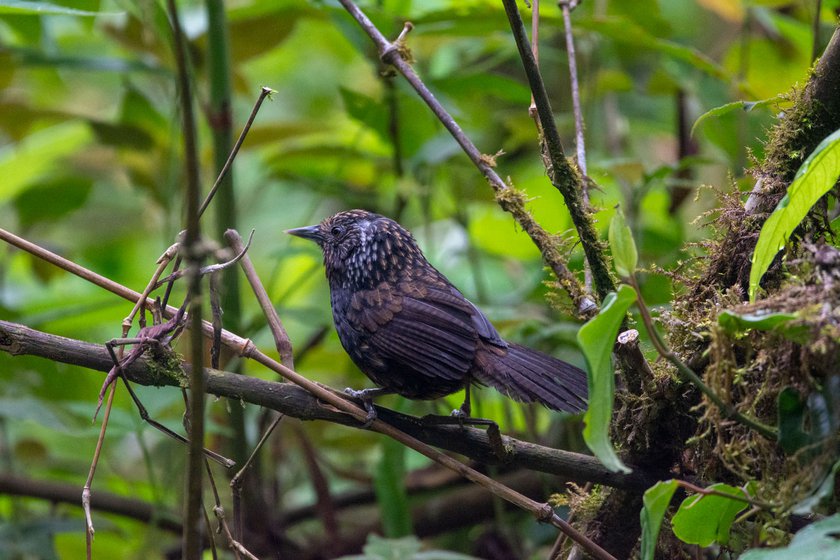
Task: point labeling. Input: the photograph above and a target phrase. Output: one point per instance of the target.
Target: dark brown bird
(413, 333)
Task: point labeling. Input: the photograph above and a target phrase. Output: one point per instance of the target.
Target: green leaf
(735, 323)
(739, 323)
(389, 484)
(21, 7)
(625, 256)
(656, 501)
(51, 199)
(406, 548)
(596, 339)
(37, 155)
(818, 541)
(792, 411)
(824, 491)
(630, 34)
(729, 107)
(704, 519)
(816, 177)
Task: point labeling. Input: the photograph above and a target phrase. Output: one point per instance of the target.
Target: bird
(413, 333)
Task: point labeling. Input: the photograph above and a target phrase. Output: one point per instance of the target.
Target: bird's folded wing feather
(429, 329)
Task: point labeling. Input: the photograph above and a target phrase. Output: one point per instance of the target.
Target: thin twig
(743, 497)
(162, 262)
(264, 92)
(815, 31)
(293, 401)
(236, 481)
(562, 175)
(390, 54)
(580, 145)
(535, 48)
(86, 491)
(209, 269)
(281, 337)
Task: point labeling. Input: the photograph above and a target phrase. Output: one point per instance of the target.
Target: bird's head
(361, 249)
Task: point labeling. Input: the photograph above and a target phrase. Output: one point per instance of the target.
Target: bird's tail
(526, 375)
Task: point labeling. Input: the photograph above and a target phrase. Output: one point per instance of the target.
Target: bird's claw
(356, 394)
(459, 415)
(367, 402)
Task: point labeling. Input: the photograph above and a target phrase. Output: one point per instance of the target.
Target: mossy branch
(563, 175)
(393, 53)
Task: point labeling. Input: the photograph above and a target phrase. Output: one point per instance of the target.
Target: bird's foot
(364, 395)
(460, 415)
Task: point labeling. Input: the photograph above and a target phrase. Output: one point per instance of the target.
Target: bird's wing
(419, 326)
(482, 324)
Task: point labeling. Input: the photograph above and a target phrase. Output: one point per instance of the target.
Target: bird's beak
(312, 233)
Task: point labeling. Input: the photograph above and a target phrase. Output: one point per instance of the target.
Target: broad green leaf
(735, 323)
(624, 31)
(21, 7)
(820, 413)
(704, 519)
(792, 411)
(25, 162)
(596, 339)
(625, 256)
(656, 501)
(824, 491)
(406, 548)
(389, 484)
(51, 199)
(729, 107)
(365, 109)
(816, 177)
(818, 541)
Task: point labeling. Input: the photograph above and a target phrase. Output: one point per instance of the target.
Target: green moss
(165, 367)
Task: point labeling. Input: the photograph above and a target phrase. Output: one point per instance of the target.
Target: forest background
(685, 105)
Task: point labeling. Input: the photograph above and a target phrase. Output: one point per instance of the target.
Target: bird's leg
(461, 416)
(494, 434)
(464, 412)
(366, 396)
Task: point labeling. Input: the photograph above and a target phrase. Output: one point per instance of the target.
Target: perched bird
(413, 333)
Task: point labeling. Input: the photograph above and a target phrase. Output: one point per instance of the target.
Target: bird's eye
(336, 231)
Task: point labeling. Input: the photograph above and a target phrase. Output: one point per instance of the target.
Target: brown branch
(193, 254)
(508, 198)
(814, 115)
(281, 337)
(58, 492)
(246, 348)
(563, 176)
(296, 402)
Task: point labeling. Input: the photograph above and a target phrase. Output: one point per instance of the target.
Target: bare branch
(296, 402)
(508, 198)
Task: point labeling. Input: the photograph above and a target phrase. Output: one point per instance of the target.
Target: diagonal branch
(508, 198)
(563, 176)
(296, 402)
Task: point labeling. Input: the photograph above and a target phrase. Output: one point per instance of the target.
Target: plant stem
(192, 541)
(563, 176)
(688, 374)
(390, 54)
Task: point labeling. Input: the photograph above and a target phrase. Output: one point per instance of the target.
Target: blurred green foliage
(90, 167)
